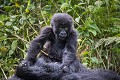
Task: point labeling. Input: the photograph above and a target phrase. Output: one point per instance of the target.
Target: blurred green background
(97, 21)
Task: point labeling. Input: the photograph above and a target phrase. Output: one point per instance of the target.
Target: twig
(3, 73)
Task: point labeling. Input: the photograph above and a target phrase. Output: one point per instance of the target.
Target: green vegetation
(97, 21)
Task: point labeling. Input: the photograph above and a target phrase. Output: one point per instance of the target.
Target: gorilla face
(62, 32)
(62, 25)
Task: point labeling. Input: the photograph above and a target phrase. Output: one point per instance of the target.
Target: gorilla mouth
(62, 37)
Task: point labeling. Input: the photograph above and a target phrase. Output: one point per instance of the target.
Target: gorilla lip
(62, 37)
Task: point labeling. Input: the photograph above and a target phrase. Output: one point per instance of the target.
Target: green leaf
(94, 60)
(109, 40)
(89, 20)
(8, 8)
(3, 38)
(14, 45)
(1, 23)
(27, 45)
(11, 52)
(15, 28)
(3, 17)
(95, 27)
(31, 7)
(89, 23)
(13, 16)
(98, 3)
(47, 8)
(32, 20)
(85, 53)
(86, 33)
(99, 43)
(93, 31)
(85, 63)
(8, 23)
(80, 4)
(44, 12)
(77, 19)
(91, 8)
(64, 6)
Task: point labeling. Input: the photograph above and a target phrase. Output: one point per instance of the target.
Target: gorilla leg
(82, 76)
(107, 74)
(93, 78)
(73, 76)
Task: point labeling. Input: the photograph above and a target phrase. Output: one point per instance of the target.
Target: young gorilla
(60, 40)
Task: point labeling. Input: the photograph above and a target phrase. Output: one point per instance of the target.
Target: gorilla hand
(22, 68)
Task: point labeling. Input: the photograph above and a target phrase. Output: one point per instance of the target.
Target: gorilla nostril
(63, 34)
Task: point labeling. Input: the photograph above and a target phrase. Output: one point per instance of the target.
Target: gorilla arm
(37, 44)
(36, 72)
(69, 52)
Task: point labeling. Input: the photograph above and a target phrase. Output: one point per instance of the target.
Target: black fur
(58, 61)
(51, 38)
(98, 74)
(60, 40)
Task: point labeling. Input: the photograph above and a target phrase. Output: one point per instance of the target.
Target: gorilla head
(62, 25)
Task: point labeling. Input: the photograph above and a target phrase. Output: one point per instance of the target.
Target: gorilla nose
(63, 34)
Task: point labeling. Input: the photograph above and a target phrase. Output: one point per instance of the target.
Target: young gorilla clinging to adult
(60, 40)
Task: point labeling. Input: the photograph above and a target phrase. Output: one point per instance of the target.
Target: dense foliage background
(97, 21)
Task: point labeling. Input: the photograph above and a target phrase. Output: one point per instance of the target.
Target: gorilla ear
(55, 19)
(71, 18)
(51, 24)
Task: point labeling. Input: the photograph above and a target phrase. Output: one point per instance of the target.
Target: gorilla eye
(60, 28)
(66, 29)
